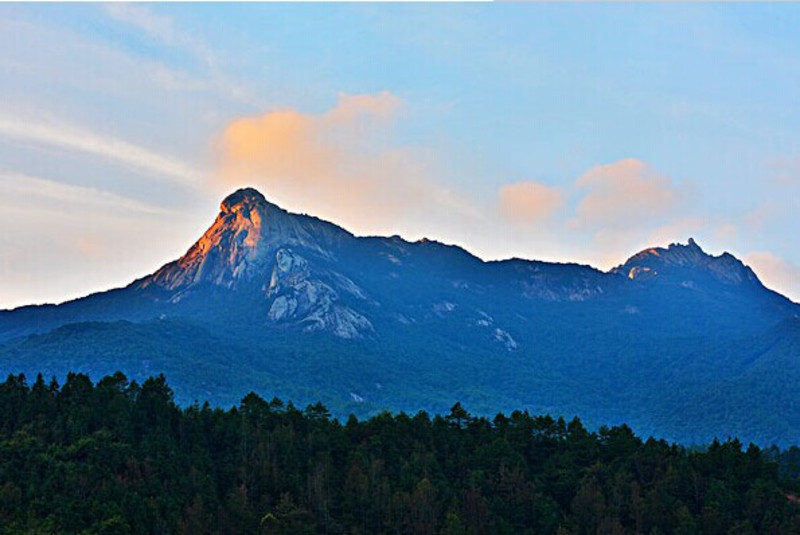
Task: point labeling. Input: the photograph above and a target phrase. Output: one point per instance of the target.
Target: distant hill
(675, 342)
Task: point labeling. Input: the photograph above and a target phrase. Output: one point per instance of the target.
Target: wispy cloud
(163, 30)
(786, 170)
(64, 241)
(152, 163)
(757, 218)
(62, 196)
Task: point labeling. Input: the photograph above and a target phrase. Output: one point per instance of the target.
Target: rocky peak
(241, 244)
(279, 257)
(244, 199)
(675, 254)
(683, 260)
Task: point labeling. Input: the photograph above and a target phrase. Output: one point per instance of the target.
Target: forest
(119, 457)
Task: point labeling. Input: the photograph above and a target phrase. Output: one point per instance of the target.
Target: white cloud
(63, 241)
(160, 28)
(76, 139)
(60, 195)
(163, 30)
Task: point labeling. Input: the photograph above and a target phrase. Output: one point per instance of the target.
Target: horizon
(689, 241)
(525, 131)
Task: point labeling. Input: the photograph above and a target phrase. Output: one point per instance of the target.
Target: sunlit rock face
(679, 261)
(255, 246)
(240, 246)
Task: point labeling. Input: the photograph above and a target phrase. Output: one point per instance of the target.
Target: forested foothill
(118, 457)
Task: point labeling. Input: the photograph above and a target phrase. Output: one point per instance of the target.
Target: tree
(458, 415)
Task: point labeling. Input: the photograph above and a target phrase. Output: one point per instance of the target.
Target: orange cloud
(286, 145)
(383, 105)
(528, 202)
(280, 145)
(776, 273)
(341, 165)
(624, 193)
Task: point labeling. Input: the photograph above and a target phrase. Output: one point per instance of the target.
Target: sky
(559, 132)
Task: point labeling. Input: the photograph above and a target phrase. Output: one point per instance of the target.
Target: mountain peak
(675, 254)
(658, 262)
(245, 241)
(242, 197)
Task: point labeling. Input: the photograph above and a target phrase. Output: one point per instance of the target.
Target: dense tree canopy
(117, 457)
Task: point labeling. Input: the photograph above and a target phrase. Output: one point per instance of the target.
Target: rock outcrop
(678, 259)
(254, 245)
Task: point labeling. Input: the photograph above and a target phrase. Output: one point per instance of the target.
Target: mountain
(676, 342)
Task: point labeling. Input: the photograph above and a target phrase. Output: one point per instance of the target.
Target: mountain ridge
(292, 305)
(251, 198)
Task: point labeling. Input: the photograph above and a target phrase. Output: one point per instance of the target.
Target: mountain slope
(290, 305)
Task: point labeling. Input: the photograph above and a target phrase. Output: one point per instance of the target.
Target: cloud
(75, 139)
(529, 202)
(159, 27)
(725, 232)
(756, 219)
(58, 196)
(163, 30)
(383, 106)
(63, 241)
(342, 164)
(623, 194)
(786, 170)
(776, 273)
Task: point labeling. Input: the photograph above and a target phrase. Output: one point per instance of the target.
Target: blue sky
(557, 132)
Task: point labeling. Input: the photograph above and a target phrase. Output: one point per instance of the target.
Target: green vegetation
(119, 457)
